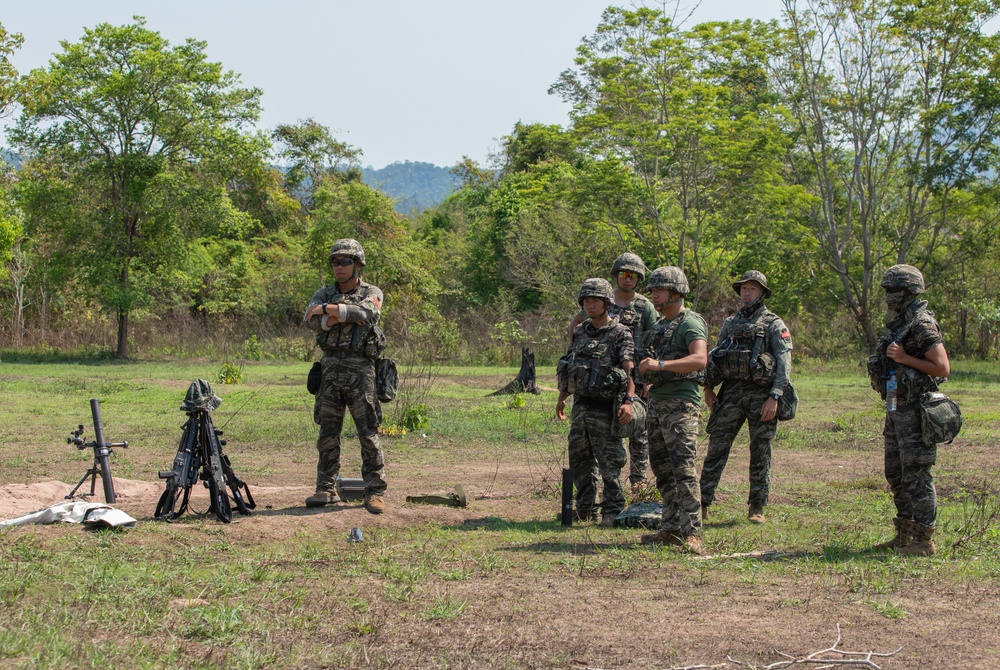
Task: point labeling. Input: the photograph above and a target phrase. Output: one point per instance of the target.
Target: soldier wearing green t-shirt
(672, 360)
(634, 311)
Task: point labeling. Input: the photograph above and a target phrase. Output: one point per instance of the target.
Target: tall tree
(311, 154)
(894, 106)
(125, 115)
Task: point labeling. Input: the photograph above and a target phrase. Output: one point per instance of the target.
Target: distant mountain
(417, 186)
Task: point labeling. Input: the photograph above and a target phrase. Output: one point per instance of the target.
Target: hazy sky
(419, 80)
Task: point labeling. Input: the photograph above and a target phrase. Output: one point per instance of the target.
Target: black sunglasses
(342, 262)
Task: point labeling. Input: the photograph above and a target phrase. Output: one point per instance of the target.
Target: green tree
(9, 43)
(895, 119)
(311, 155)
(128, 119)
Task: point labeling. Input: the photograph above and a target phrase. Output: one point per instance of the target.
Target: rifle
(102, 450)
(200, 455)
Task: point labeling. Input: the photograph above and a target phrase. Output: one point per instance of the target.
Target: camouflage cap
(753, 275)
(350, 248)
(596, 287)
(905, 277)
(629, 262)
(669, 277)
(200, 398)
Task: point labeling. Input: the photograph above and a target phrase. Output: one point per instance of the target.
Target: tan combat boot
(756, 514)
(374, 503)
(321, 498)
(921, 544)
(704, 513)
(608, 519)
(662, 537)
(694, 545)
(904, 530)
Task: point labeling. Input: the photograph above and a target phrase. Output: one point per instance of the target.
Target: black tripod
(102, 450)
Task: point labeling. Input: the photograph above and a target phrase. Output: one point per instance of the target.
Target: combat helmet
(350, 248)
(753, 275)
(905, 277)
(669, 277)
(596, 287)
(629, 262)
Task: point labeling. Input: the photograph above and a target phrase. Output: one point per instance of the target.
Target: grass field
(500, 583)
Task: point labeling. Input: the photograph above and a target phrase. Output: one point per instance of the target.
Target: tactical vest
(588, 369)
(742, 356)
(912, 382)
(363, 338)
(630, 315)
(658, 342)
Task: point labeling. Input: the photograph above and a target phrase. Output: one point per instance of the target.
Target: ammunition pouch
(912, 382)
(634, 428)
(739, 365)
(940, 418)
(589, 377)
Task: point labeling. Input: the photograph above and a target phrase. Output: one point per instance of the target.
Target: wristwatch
(631, 398)
(775, 396)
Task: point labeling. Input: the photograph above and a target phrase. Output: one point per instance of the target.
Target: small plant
(415, 417)
(515, 402)
(231, 374)
(888, 609)
(445, 608)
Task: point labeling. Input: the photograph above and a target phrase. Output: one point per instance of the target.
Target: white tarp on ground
(76, 511)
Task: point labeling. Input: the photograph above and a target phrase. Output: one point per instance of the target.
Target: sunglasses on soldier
(628, 275)
(342, 262)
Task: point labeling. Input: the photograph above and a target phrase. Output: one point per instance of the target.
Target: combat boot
(904, 531)
(608, 519)
(756, 514)
(374, 503)
(669, 537)
(694, 545)
(704, 513)
(321, 498)
(921, 544)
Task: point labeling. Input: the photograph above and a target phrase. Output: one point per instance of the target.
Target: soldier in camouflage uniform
(753, 362)
(673, 355)
(912, 348)
(596, 371)
(345, 317)
(635, 312)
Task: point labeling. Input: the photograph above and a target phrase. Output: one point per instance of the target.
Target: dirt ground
(602, 617)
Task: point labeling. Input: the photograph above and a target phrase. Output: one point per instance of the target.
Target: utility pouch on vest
(940, 418)
(386, 379)
(763, 369)
(315, 378)
(634, 427)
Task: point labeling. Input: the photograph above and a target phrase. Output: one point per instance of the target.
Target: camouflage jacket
(357, 330)
(917, 331)
(754, 348)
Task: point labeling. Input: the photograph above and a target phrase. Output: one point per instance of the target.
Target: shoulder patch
(785, 335)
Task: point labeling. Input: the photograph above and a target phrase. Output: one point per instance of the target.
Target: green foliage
(124, 118)
(230, 373)
(416, 418)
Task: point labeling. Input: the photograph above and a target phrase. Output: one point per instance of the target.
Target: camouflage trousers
(908, 464)
(593, 452)
(741, 402)
(672, 427)
(348, 385)
(638, 458)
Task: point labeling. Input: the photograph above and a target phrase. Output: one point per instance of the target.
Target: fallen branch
(856, 658)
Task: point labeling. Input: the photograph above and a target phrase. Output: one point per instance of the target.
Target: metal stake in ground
(102, 450)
